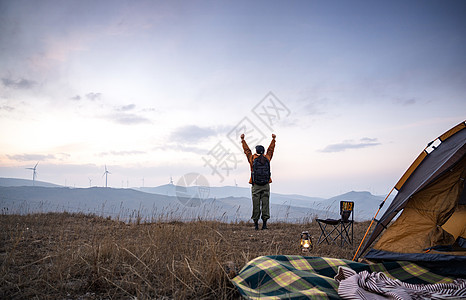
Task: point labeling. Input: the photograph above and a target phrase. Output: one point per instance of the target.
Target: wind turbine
(105, 174)
(34, 173)
(90, 181)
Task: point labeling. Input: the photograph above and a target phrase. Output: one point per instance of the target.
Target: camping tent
(431, 229)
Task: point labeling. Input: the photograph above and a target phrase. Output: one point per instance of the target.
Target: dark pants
(260, 202)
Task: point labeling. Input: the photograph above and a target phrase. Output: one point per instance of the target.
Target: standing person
(260, 180)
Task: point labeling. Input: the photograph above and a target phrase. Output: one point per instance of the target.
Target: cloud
(93, 96)
(123, 116)
(63, 156)
(312, 104)
(30, 157)
(313, 108)
(20, 84)
(369, 140)
(122, 153)
(290, 122)
(89, 96)
(405, 102)
(350, 144)
(126, 107)
(7, 108)
(128, 119)
(183, 148)
(192, 134)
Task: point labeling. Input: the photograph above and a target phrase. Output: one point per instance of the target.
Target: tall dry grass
(77, 256)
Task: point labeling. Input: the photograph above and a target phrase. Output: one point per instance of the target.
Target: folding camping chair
(338, 227)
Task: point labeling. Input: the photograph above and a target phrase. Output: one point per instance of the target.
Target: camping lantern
(306, 241)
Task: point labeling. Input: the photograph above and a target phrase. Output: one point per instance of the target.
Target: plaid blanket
(298, 277)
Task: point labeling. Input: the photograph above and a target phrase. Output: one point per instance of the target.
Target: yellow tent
(431, 203)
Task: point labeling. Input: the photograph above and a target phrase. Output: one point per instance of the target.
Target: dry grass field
(77, 256)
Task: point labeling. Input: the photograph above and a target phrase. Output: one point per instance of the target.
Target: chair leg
(347, 238)
(327, 235)
(321, 233)
(324, 233)
(342, 233)
(339, 231)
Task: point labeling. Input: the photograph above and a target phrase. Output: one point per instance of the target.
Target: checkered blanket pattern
(298, 277)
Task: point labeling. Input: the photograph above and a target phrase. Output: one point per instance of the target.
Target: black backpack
(260, 170)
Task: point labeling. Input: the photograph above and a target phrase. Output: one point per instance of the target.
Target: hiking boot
(256, 224)
(264, 224)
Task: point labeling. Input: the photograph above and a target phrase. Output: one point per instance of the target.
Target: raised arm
(271, 148)
(246, 149)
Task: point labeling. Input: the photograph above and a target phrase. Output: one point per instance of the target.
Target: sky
(153, 90)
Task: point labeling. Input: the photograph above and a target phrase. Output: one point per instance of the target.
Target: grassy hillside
(24, 182)
(125, 204)
(77, 256)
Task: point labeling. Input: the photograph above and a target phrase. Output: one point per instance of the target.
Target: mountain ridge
(230, 201)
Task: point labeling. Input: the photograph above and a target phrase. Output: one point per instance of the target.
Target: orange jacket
(251, 157)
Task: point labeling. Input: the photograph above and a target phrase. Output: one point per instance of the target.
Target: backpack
(260, 170)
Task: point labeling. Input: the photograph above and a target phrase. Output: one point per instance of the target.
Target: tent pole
(372, 222)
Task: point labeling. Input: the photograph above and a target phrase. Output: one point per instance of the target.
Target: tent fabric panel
(462, 200)
(452, 131)
(438, 161)
(410, 170)
(409, 239)
(455, 158)
(442, 264)
(454, 149)
(423, 154)
(456, 224)
(419, 225)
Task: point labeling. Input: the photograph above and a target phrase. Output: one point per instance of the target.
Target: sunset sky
(354, 90)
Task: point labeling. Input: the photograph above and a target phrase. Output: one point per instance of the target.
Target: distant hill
(126, 204)
(230, 191)
(182, 202)
(365, 204)
(24, 182)
(365, 207)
